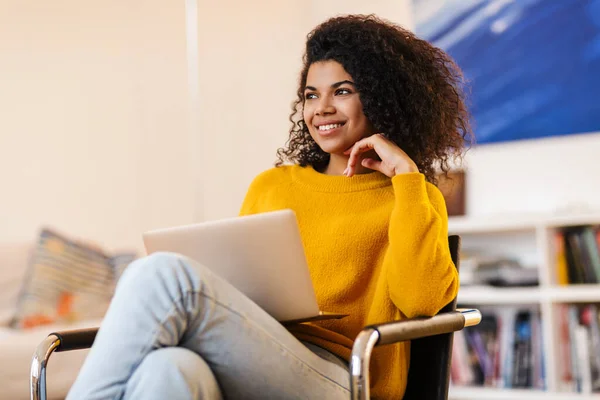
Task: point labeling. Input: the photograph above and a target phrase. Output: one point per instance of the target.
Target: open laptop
(261, 255)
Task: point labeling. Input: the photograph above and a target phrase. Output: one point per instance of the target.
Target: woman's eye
(343, 91)
(310, 96)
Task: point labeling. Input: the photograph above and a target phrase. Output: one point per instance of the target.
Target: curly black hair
(411, 91)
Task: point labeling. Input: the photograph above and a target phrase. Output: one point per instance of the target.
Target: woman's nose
(325, 106)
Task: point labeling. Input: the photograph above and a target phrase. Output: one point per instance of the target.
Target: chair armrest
(416, 328)
(399, 331)
(56, 341)
(75, 339)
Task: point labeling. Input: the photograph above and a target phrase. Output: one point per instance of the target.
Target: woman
(378, 110)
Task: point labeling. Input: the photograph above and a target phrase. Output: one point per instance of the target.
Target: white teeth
(328, 127)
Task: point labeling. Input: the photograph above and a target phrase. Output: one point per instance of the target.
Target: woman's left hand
(394, 160)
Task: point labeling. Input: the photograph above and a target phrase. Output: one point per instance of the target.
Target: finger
(374, 137)
(372, 164)
(359, 147)
(351, 166)
(366, 144)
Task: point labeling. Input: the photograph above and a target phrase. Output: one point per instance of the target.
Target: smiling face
(333, 111)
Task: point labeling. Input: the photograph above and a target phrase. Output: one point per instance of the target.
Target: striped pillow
(66, 281)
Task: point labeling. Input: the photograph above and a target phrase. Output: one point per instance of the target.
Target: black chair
(431, 349)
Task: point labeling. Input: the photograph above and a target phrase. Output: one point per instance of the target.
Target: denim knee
(159, 264)
(167, 361)
(174, 372)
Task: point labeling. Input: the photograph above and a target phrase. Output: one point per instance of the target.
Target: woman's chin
(334, 148)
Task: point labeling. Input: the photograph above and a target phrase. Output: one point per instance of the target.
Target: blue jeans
(175, 330)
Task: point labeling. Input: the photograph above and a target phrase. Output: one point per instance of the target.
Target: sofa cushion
(66, 281)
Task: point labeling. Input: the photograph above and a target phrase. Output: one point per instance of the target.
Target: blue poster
(533, 66)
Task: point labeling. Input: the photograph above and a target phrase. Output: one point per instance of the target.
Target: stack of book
(579, 347)
(578, 255)
(504, 350)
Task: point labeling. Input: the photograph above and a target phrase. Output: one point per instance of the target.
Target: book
(522, 358)
(567, 379)
(505, 350)
(591, 248)
(562, 268)
(580, 257)
(589, 319)
(577, 252)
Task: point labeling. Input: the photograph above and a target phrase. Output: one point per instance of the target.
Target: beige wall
(93, 102)
(250, 55)
(96, 137)
(396, 11)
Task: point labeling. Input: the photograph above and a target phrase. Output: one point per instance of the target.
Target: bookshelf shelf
(536, 241)
(589, 293)
(467, 393)
(485, 225)
(518, 223)
(485, 295)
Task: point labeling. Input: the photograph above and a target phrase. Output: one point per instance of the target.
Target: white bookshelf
(530, 238)
(514, 394)
(518, 222)
(573, 294)
(484, 295)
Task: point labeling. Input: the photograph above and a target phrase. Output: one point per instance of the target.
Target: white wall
(550, 175)
(93, 102)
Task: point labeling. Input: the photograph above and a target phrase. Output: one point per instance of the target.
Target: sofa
(18, 345)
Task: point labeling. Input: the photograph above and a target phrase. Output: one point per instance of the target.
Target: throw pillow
(66, 281)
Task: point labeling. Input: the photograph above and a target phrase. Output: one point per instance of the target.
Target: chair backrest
(430, 357)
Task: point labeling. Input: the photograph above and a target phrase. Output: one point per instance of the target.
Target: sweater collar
(320, 182)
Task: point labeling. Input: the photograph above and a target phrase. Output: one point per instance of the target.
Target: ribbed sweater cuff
(410, 188)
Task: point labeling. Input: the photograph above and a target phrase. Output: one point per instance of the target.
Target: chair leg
(359, 363)
(37, 377)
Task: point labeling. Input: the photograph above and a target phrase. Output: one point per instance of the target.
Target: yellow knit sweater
(377, 249)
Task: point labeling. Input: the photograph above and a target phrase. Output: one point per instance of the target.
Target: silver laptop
(261, 255)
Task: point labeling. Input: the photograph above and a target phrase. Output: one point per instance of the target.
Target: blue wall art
(533, 66)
